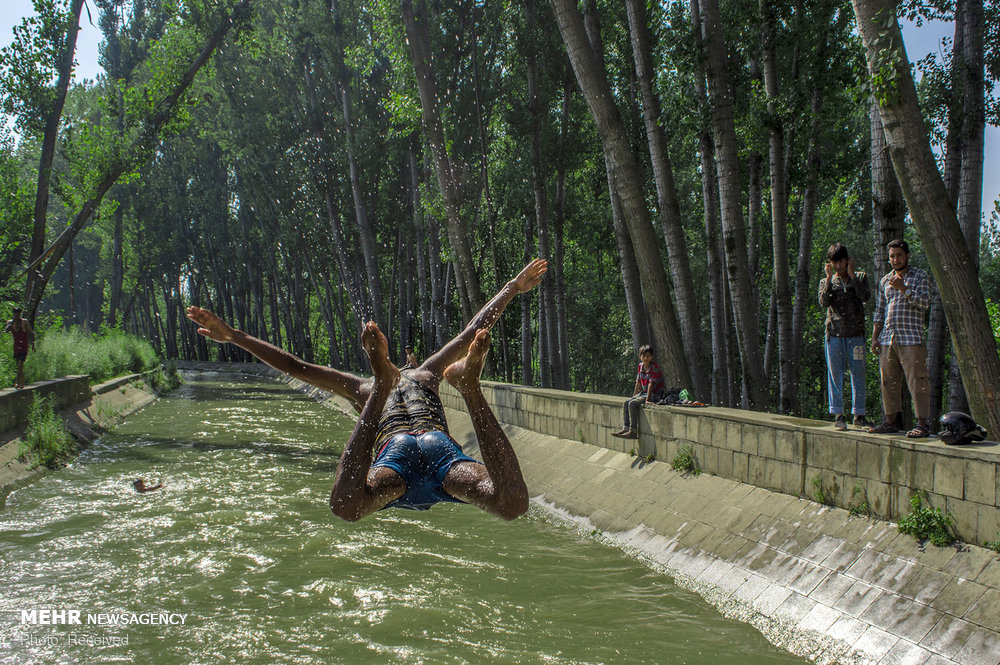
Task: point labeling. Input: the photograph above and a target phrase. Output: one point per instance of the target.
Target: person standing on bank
(901, 306)
(649, 387)
(24, 336)
(844, 292)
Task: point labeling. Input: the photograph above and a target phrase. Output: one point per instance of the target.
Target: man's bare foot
(464, 373)
(377, 347)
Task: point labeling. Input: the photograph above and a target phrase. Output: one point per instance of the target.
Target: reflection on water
(241, 554)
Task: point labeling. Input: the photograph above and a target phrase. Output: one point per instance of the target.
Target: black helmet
(958, 427)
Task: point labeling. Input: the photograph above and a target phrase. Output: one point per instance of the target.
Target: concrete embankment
(812, 577)
(88, 411)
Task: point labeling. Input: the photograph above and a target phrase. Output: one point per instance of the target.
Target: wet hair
(837, 252)
(407, 348)
(898, 243)
(646, 348)
(16, 311)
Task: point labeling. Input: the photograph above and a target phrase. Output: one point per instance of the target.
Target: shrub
(46, 440)
(166, 378)
(684, 461)
(74, 351)
(926, 523)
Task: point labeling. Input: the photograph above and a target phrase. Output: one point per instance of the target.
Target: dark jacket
(845, 305)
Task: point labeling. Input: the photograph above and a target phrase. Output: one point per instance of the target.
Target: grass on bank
(65, 351)
(46, 440)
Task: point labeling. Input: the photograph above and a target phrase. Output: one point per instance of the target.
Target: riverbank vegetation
(66, 351)
(46, 440)
(303, 167)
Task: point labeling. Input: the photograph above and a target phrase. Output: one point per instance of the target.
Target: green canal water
(242, 558)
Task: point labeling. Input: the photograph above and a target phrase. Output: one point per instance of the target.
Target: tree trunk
(933, 216)
(468, 281)
(548, 328)
(779, 210)
(48, 152)
(809, 200)
(562, 319)
(527, 377)
(713, 231)
(888, 207)
(740, 282)
(670, 212)
(590, 75)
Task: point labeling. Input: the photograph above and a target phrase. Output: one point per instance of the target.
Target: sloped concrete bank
(813, 578)
(88, 412)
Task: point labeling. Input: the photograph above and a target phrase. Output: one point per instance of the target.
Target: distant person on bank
(901, 305)
(844, 292)
(649, 387)
(411, 358)
(24, 336)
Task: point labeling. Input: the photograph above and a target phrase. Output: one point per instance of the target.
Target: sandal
(919, 432)
(631, 434)
(883, 428)
(620, 433)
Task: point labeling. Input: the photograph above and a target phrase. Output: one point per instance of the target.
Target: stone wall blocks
(948, 474)
(787, 445)
(980, 481)
(966, 516)
(767, 446)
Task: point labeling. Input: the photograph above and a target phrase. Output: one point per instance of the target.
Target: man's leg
(891, 372)
(835, 374)
(855, 356)
(19, 381)
(914, 362)
(498, 489)
(359, 490)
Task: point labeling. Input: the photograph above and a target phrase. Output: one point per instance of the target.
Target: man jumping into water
(417, 463)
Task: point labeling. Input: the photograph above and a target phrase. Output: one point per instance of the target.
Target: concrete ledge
(15, 404)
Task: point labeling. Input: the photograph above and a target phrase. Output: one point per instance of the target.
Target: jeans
(631, 410)
(845, 353)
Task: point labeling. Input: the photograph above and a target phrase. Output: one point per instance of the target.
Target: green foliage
(62, 352)
(818, 492)
(993, 309)
(46, 440)
(166, 378)
(28, 65)
(859, 502)
(927, 523)
(888, 63)
(993, 544)
(685, 461)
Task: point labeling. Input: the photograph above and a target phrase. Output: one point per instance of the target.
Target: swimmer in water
(402, 425)
(140, 486)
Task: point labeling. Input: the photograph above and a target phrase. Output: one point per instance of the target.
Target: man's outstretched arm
(326, 378)
(454, 350)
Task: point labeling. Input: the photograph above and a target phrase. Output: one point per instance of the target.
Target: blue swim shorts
(423, 460)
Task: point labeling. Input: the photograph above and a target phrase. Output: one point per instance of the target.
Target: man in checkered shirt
(901, 305)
